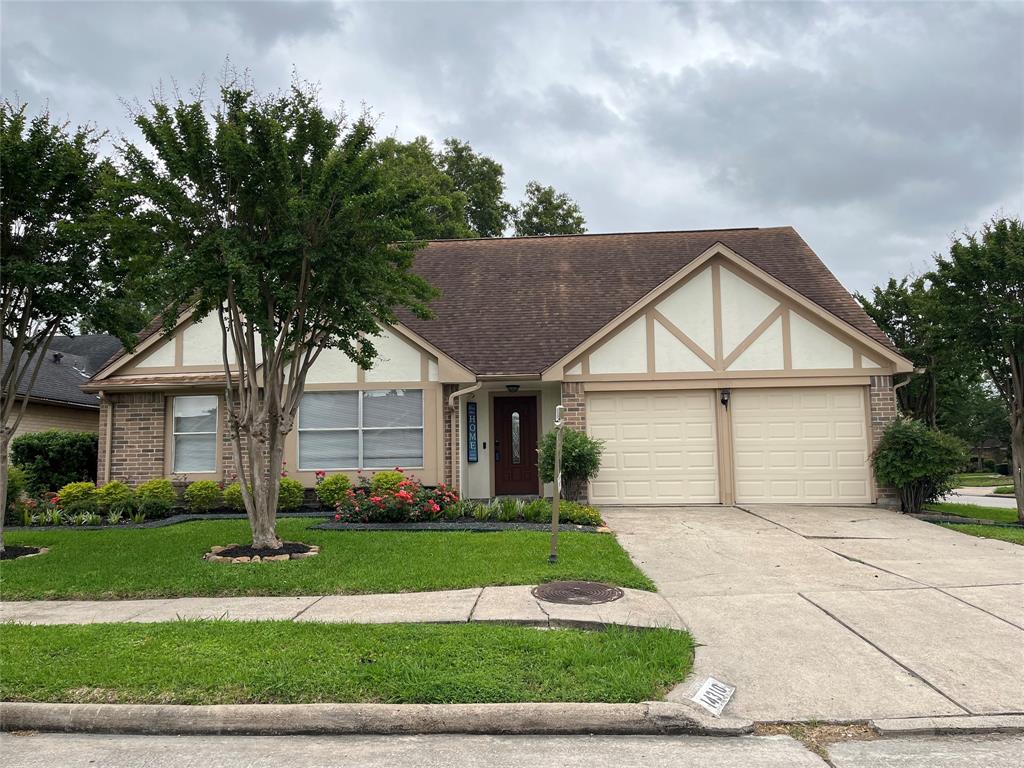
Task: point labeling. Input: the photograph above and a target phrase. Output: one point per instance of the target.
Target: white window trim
(359, 429)
(215, 432)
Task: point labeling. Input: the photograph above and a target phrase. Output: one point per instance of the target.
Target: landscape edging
(645, 718)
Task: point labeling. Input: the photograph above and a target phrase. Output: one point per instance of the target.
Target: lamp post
(559, 410)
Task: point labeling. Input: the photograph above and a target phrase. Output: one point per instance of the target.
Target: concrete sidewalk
(514, 605)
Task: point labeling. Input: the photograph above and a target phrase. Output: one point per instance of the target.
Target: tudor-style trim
(449, 369)
(786, 295)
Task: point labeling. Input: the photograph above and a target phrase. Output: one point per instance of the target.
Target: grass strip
(997, 514)
(1012, 535)
(223, 662)
(167, 562)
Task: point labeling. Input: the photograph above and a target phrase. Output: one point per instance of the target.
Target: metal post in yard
(553, 557)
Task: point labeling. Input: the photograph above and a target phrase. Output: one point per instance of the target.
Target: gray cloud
(875, 129)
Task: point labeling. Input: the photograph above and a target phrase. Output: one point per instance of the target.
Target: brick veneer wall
(137, 444)
(449, 451)
(575, 406)
(883, 413)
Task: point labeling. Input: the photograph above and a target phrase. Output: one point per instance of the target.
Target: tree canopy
(298, 231)
(547, 212)
(63, 233)
(482, 181)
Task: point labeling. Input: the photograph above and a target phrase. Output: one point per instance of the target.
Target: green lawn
(219, 662)
(980, 480)
(997, 514)
(167, 562)
(1012, 535)
(1005, 489)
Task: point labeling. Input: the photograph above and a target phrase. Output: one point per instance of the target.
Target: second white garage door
(660, 447)
(800, 445)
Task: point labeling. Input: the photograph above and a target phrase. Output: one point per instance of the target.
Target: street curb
(951, 725)
(645, 718)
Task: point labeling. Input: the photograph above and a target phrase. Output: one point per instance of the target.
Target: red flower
(337, 518)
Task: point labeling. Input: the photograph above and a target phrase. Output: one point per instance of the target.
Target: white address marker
(713, 695)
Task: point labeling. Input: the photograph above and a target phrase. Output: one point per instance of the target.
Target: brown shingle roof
(517, 305)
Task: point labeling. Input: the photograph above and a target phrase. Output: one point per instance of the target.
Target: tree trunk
(1017, 460)
(4, 464)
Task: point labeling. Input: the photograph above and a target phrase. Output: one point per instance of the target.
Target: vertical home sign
(472, 454)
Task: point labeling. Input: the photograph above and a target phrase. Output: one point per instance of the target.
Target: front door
(515, 446)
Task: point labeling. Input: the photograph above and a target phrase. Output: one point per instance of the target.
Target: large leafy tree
(547, 212)
(293, 229)
(482, 181)
(979, 300)
(64, 227)
(905, 309)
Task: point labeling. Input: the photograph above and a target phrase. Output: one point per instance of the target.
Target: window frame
(174, 437)
(359, 429)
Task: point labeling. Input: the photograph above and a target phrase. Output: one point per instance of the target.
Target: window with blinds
(194, 431)
(368, 429)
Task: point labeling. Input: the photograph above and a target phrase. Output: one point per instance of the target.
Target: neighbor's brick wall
(137, 437)
(575, 405)
(883, 413)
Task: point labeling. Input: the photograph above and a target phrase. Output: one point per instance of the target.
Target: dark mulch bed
(935, 517)
(247, 550)
(457, 525)
(13, 553)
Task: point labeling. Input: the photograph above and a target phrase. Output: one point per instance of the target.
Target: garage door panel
(660, 447)
(805, 445)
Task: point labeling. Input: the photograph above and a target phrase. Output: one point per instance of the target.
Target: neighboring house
(717, 366)
(57, 400)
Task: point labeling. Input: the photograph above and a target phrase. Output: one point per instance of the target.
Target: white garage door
(659, 447)
(800, 445)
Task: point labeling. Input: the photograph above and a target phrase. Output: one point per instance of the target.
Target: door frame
(538, 398)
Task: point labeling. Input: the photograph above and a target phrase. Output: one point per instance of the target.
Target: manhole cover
(576, 592)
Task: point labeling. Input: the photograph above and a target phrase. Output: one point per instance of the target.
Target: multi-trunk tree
(64, 229)
(294, 229)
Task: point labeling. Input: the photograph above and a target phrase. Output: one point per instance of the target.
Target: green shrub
(203, 496)
(989, 465)
(54, 458)
(1004, 489)
(581, 460)
(290, 495)
(233, 497)
(78, 498)
(115, 495)
(157, 488)
(918, 462)
(509, 509)
(386, 481)
(537, 511)
(460, 508)
(333, 490)
(153, 507)
(155, 498)
(579, 514)
(17, 482)
(1003, 469)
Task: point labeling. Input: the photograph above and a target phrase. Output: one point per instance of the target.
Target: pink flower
(337, 518)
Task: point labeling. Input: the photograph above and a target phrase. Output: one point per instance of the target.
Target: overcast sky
(876, 129)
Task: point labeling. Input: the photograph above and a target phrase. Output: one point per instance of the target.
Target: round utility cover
(576, 592)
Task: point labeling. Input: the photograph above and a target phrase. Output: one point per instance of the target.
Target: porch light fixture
(512, 387)
(725, 398)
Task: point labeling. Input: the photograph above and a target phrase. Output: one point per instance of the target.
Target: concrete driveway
(833, 613)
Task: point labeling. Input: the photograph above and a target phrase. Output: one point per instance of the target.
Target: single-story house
(722, 366)
(56, 400)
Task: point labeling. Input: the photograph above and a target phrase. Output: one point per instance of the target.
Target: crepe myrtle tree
(64, 226)
(979, 300)
(293, 229)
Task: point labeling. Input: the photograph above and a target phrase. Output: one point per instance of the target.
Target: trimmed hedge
(919, 462)
(54, 458)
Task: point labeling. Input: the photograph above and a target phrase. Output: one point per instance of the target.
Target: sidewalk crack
(296, 616)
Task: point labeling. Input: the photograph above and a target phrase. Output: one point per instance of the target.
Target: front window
(370, 429)
(195, 433)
